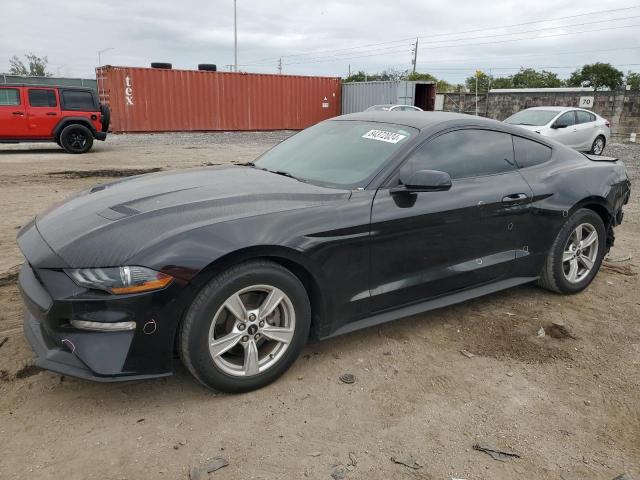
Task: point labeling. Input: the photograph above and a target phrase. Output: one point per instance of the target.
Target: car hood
(109, 223)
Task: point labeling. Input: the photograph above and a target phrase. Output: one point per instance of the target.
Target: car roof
(419, 120)
(552, 108)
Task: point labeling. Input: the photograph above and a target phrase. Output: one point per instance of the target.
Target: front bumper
(51, 300)
(61, 358)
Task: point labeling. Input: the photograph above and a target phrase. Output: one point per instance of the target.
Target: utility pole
(235, 35)
(478, 72)
(415, 56)
(349, 71)
(280, 66)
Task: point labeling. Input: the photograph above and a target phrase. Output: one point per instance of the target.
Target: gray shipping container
(358, 96)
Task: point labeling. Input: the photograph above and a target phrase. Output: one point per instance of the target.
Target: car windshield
(532, 117)
(341, 154)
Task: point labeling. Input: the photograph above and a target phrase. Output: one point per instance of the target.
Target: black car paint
(365, 255)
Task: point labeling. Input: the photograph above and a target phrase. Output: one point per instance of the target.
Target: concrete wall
(621, 108)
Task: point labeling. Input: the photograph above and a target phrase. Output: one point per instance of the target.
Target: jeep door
(43, 112)
(13, 123)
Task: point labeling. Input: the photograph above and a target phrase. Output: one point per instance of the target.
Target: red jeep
(70, 116)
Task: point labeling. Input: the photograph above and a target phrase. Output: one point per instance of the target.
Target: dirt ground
(570, 407)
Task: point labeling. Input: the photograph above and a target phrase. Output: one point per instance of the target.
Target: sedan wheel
(598, 146)
(245, 327)
(252, 330)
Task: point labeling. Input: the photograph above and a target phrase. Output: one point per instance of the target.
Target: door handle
(52, 114)
(514, 198)
(18, 113)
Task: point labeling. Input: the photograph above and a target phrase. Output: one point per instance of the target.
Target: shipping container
(358, 96)
(163, 100)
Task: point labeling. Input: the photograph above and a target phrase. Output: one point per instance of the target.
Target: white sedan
(392, 107)
(575, 127)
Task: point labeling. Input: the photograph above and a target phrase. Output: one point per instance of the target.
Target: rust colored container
(158, 100)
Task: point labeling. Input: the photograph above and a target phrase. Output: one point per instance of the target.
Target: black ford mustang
(356, 221)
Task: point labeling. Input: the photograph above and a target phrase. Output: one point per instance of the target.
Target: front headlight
(120, 280)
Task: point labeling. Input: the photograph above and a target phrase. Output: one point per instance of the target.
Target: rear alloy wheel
(598, 145)
(76, 139)
(245, 327)
(576, 254)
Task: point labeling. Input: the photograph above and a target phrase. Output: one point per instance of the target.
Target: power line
(475, 58)
(312, 52)
(334, 58)
(339, 55)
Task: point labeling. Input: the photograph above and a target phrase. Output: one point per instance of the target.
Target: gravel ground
(570, 407)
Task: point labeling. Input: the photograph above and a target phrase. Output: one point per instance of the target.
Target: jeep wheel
(76, 139)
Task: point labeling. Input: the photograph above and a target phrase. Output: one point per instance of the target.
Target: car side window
(585, 117)
(567, 119)
(530, 153)
(42, 98)
(9, 97)
(465, 153)
(77, 100)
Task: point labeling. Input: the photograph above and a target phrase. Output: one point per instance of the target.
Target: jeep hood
(110, 223)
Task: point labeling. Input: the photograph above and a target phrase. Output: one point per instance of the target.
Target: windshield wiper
(287, 174)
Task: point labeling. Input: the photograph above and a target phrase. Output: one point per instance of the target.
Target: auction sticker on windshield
(384, 136)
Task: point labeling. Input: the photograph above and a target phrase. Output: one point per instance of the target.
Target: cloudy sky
(325, 37)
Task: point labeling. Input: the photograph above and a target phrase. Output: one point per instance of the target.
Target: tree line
(600, 76)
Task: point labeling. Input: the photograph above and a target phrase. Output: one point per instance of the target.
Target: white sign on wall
(586, 102)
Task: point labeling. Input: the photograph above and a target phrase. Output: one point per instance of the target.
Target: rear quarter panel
(566, 183)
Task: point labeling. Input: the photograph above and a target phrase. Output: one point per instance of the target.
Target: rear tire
(76, 138)
(231, 340)
(576, 254)
(106, 117)
(598, 145)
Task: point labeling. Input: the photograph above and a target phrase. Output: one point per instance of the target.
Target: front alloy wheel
(245, 327)
(252, 330)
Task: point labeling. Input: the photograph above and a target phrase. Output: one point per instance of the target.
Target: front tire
(598, 145)
(576, 254)
(245, 327)
(76, 139)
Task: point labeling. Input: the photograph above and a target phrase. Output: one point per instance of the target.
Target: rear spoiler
(600, 158)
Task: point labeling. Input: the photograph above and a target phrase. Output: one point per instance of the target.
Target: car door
(43, 112)
(432, 243)
(13, 123)
(585, 129)
(563, 129)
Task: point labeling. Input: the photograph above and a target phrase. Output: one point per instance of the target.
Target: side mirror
(557, 125)
(423, 181)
